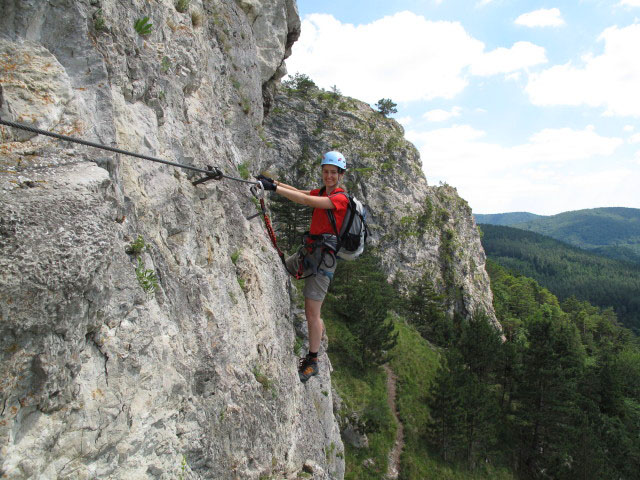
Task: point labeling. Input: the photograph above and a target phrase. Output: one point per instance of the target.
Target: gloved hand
(263, 177)
(269, 186)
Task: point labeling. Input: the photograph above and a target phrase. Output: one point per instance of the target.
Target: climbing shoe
(307, 368)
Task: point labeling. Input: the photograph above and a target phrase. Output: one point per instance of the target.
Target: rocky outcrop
(196, 376)
(415, 228)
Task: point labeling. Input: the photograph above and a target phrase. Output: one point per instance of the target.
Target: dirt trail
(394, 457)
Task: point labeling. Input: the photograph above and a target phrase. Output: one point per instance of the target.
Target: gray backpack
(353, 233)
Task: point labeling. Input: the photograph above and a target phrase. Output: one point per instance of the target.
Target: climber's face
(330, 176)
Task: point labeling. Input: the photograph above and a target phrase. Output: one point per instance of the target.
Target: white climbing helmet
(334, 158)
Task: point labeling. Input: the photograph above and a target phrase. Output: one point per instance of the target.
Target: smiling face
(331, 177)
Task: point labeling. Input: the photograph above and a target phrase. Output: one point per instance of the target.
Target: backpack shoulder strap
(349, 218)
(332, 219)
(331, 215)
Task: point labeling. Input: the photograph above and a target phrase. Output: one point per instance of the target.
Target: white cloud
(439, 115)
(495, 178)
(545, 17)
(566, 144)
(461, 143)
(630, 3)
(629, 128)
(404, 57)
(604, 187)
(506, 60)
(635, 138)
(609, 80)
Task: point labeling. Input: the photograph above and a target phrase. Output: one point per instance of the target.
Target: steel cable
(212, 172)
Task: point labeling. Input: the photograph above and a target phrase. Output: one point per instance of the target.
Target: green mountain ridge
(509, 218)
(612, 232)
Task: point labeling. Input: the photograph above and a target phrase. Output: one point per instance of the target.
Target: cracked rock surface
(100, 378)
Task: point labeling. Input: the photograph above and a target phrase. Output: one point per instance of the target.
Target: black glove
(269, 186)
(263, 177)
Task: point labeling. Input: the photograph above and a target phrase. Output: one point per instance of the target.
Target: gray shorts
(317, 285)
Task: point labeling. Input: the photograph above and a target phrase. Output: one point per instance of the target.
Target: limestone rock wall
(98, 378)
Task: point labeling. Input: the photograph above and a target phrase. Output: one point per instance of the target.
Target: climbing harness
(212, 173)
(308, 248)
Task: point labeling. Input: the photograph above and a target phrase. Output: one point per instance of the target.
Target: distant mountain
(566, 270)
(613, 232)
(505, 218)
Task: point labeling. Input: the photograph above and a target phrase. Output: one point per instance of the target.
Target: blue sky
(522, 106)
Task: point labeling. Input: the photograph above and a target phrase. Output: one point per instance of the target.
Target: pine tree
(481, 348)
(363, 298)
(292, 219)
(425, 310)
(386, 106)
(300, 83)
(445, 430)
(480, 345)
(463, 404)
(547, 394)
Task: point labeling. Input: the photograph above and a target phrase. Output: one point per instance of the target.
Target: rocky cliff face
(147, 328)
(99, 379)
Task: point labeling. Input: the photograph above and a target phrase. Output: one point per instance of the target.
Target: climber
(316, 259)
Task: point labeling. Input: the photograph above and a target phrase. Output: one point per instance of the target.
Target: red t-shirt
(320, 220)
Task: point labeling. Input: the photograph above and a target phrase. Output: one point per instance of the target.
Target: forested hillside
(567, 271)
(559, 398)
(612, 232)
(569, 383)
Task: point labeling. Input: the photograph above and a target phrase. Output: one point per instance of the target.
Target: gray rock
(313, 468)
(98, 378)
(355, 438)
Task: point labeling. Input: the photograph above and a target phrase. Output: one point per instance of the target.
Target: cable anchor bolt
(215, 174)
